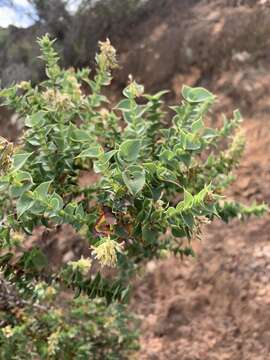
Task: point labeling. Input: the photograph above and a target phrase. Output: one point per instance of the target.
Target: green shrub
(52, 326)
(158, 181)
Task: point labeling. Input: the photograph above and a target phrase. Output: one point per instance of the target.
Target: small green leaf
(124, 105)
(92, 152)
(19, 160)
(56, 202)
(188, 219)
(166, 156)
(103, 161)
(197, 125)
(178, 232)
(4, 183)
(171, 211)
(148, 234)
(196, 95)
(191, 142)
(24, 203)
(134, 178)
(34, 260)
(35, 120)
(79, 135)
(133, 90)
(209, 133)
(42, 189)
(199, 198)
(186, 203)
(129, 150)
(22, 182)
(156, 96)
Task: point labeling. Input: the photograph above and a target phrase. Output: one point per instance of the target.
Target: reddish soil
(217, 306)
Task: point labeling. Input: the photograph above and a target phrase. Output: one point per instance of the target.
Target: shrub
(53, 326)
(158, 180)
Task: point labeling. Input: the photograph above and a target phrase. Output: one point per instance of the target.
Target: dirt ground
(216, 306)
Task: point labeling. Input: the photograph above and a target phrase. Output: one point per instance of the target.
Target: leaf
(209, 133)
(171, 211)
(188, 219)
(178, 232)
(191, 143)
(96, 99)
(196, 95)
(34, 260)
(56, 202)
(125, 294)
(4, 183)
(79, 210)
(23, 182)
(36, 120)
(103, 161)
(33, 140)
(38, 208)
(134, 178)
(42, 189)
(79, 135)
(124, 105)
(237, 117)
(156, 96)
(166, 156)
(186, 203)
(199, 198)
(148, 234)
(19, 160)
(129, 150)
(70, 208)
(92, 152)
(197, 125)
(24, 203)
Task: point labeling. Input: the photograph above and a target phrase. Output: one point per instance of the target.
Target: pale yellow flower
(164, 254)
(83, 265)
(106, 252)
(50, 291)
(17, 236)
(7, 331)
(53, 342)
(24, 85)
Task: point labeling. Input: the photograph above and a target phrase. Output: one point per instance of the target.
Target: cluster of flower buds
(6, 152)
(107, 57)
(83, 265)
